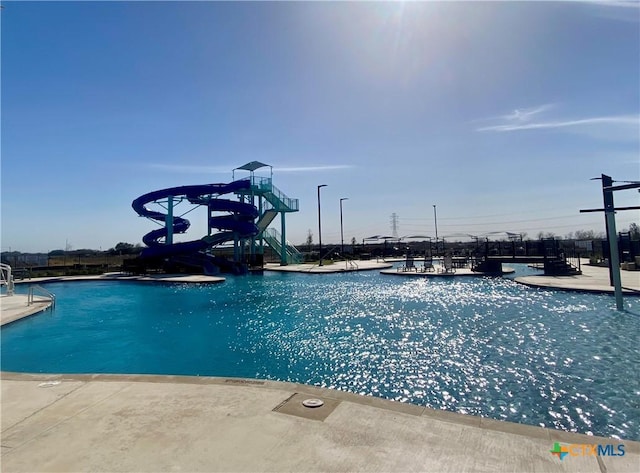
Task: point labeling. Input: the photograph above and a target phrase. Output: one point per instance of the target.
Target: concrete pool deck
(335, 267)
(17, 307)
(593, 279)
(172, 423)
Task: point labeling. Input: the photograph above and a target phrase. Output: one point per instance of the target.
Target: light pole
(342, 227)
(435, 219)
(320, 225)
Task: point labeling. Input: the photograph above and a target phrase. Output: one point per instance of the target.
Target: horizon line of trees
(633, 230)
(125, 248)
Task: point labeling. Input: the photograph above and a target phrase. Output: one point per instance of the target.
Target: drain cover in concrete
(303, 405)
(313, 403)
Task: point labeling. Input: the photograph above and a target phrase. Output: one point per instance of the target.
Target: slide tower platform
(244, 222)
(270, 201)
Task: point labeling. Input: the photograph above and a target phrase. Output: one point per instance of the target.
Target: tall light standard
(320, 225)
(342, 227)
(435, 218)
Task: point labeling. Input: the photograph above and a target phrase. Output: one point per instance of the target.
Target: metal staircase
(265, 219)
(272, 237)
(273, 202)
(561, 266)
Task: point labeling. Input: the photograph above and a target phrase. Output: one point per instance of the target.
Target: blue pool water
(484, 346)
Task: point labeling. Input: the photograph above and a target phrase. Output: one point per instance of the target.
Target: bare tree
(309, 240)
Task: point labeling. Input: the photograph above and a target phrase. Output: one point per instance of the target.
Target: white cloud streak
(190, 169)
(614, 3)
(618, 10)
(196, 169)
(331, 167)
(633, 120)
(525, 114)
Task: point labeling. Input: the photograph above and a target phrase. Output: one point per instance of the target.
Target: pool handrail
(6, 278)
(43, 292)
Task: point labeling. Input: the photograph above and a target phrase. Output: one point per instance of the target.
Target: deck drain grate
(313, 403)
(302, 405)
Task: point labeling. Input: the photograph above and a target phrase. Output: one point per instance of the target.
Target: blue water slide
(238, 224)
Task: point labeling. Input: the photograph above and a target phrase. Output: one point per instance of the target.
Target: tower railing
(278, 199)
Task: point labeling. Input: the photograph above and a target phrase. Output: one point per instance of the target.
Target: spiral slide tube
(239, 223)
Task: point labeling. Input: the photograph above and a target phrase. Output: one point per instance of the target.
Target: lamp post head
(322, 185)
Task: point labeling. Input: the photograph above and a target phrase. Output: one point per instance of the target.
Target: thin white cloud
(519, 115)
(619, 10)
(190, 169)
(331, 167)
(526, 114)
(633, 120)
(198, 169)
(614, 3)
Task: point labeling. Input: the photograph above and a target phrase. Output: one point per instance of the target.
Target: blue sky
(498, 113)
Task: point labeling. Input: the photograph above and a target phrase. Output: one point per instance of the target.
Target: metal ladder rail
(43, 292)
(352, 264)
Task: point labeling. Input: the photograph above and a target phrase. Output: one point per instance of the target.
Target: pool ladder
(36, 290)
(351, 264)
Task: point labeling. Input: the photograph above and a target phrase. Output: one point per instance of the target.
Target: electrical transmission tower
(394, 225)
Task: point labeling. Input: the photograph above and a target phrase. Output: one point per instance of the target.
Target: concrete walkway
(336, 267)
(593, 279)
(163, 423)
(17, 306)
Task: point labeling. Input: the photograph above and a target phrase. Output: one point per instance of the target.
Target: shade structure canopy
(381, 237)
(252, 167)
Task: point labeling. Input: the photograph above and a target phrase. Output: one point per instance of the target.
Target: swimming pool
(483, 346)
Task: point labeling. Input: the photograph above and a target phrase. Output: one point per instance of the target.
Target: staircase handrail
(289, 248)
(272, 237)
(574, 262)
(278, 199)
(288, 202)
(272, 240)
